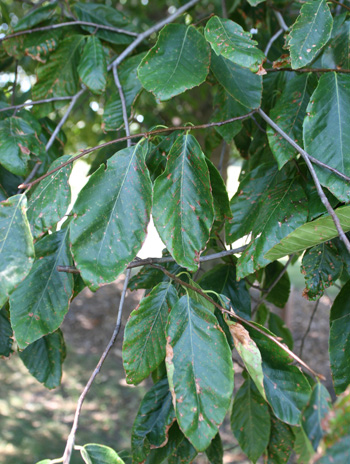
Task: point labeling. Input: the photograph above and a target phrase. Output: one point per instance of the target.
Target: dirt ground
(35, 422)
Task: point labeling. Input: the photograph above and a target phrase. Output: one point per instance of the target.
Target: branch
(167, 259)
(281, 21)
(69, 23)
(320, 192)
(71, 438)
(308, 328)
(308, 70)
(37, 102)
(122, 99)
(239, 319)
(341, 4)
(155, 28)
(134, 136)
(272, 40)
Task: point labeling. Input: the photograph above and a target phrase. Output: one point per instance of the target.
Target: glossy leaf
(302, 446)
(50, 199)
(310, 32)
(315, 412)
(338, 453)
(44, 358)
(280, 292)
(228, 39)
(99, 454)
(281, 442)
(144, 338)
(18, 140)
(322, 266)
(127, 73)
(16, 245)
(149, 277)
(183, 204)
(178, 61)
(241, 84)
(339, 343)
(289, 112)
(38, 305)
(92, 68)
(36, 16)
(219, 192)
(6, 334)
(153, 421)
(183, 454)
(336, 54)
(201, 387)
(215, 452)
(226, 107)
(111, 216)
(250, 421)
(326, 135)
(311, 234)
(279, 328)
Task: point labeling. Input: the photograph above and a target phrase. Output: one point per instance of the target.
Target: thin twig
(320, 192)
(308, 70)
(167, 259)
(308, 328)
(69, 23)
(281, 21)
(223, 8)
(150, 31)
(71, 438)
(238, 318)
(37, 102)
(122, 99)
(133, 136)
(341, 4)
(272, 40)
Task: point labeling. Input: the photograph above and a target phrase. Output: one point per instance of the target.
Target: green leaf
(6, 334)
(339, 453)
(36, 16)
(281, 442)
(113, 111)
(179, 61)
(314, 413)
(107, 16)
(302, 446)
(255, 2)
(219, 192)
(336, 54)
(92, 68)
(44, 359)
(59, 76)
(154, 418)
(250, 421)
(228, 39)
(222, 279)
(99, 454)
(144, 338)
(311, 234)
(183, 454)
(339, 343)
(280, 292)
(18, 140)
(241, 84)
(183, 204)
(279, 328)
(16, 245)
(290, 111)
(38, 305)
(310, 32)
(200, 371)
(149, 277)
(326, 134)
(215, 452)
(111, 216)
(49, 201)
(226, 107)
(322, 266)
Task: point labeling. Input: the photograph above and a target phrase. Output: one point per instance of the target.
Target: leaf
(111, 216)
(226, 107)
(58, 77)
(279, 328)
(107, 16)
(16, 245)
(240, 83)
(314, 413)
(38, 305)
(179, 61)
(338, 453)
(302, 446)
(99, 454)
(310, 32)
(289, 112)
(44, 359)
(49, 201)
(255, 2)
(322, 266)
(149, 277)
(6, 334)
(182, 202)
(201, 387)
(154, 418)
(36, 16)
(250, 421)
(339, 343)
(228, 39)
(311, 234)
(17, 141)
(92, 68)
(219, 192)
(281, 442)
(284, 208)
(144, 338)
(215, 451)
(336, 54)
(183, 454)
(326, 135)
(127, 73)
(280, 292)
(222, 279)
